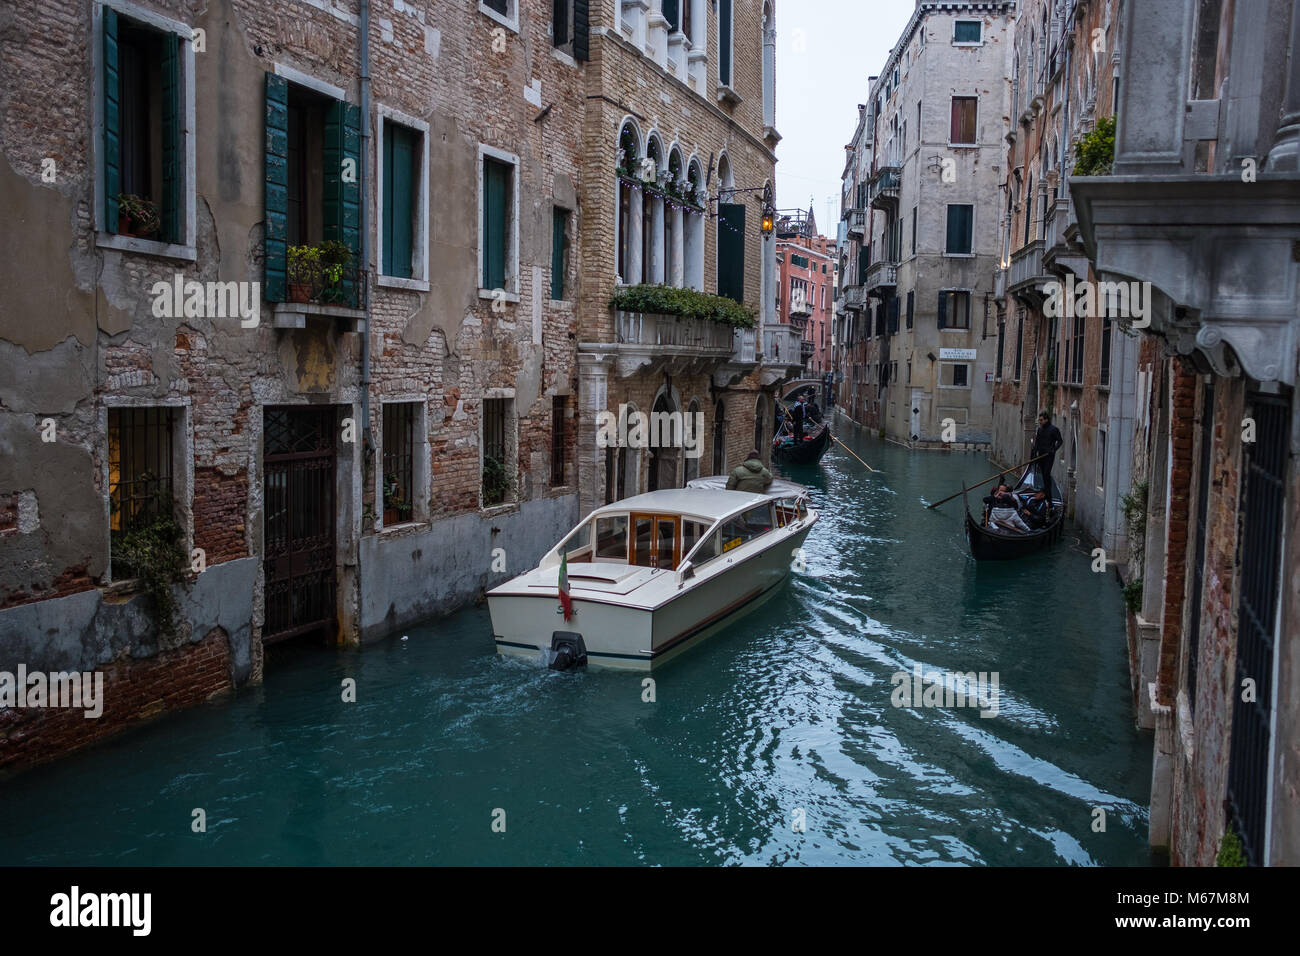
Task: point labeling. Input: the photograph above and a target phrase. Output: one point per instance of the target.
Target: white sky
(825, 50)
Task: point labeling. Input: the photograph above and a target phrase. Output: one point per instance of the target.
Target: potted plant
(137, 216)
(396, 508)
(334, 259)
(304, 272)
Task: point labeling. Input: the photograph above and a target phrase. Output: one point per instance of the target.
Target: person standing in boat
(797, 414)
(750, 476)
(1046, 442)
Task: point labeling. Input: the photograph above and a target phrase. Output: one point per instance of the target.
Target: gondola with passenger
(992, 539)
(795, 445)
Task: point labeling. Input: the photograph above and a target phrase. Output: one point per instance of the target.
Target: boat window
(787, 512)
(709, 550)
(611, 537)
(577, 546)
(746, 527)
(692, 531)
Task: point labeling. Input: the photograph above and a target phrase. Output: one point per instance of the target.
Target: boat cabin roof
(701, 498)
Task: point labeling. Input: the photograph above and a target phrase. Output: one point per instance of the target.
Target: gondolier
(1047, 439)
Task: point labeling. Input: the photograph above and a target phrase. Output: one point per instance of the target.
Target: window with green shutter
(496, 210)
(276, 176)
(961, 219)
(559, 251)
(143, 147)
(731, 251)
(402, 149)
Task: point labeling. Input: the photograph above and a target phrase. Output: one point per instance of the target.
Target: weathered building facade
(924, 226)
(347, 443)
(805, 294)
(1060, 349)
(679, 133)
(1203, 203)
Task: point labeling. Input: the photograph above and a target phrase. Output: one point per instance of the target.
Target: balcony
(806, 350)
(881, 275)
(799, 304)
(782, 345)
(999, 284)
(1063, 251)
(884, 188)
(673, 333)
(857, 219)
(312, 294)
(855, 298)
(1027, 273)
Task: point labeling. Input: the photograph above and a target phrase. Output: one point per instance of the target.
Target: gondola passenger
(1037, 511)
(1004, 511)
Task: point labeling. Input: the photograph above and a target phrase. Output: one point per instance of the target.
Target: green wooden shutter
(342, 212)
(558, 242)
(112, 171)
(731, 251)
(724, 42)
(173, 156)
(496, 181)
(670, 14)
(959, 229)
(943, 310)
(277, 188)
(581, 29)
(400, 189)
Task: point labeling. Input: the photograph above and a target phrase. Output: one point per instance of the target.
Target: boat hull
(624, 637)
(986, 545)
(804, 453)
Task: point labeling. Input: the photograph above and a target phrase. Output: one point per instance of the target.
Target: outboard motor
(567, 651)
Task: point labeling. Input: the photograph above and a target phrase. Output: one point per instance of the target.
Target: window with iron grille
(1261, 513)
(399, 423)
(139, 476)
(559, 439)
(496, 467)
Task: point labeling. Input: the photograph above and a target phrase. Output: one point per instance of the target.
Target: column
(1285, 154)
(676, 270)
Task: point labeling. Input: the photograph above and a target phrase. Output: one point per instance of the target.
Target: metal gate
(1260, 552)
(298, 462)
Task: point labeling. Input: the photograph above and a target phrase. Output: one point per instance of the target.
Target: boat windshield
(611, 538)
(746, 526)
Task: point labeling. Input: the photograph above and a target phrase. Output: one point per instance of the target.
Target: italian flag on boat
(566, 602)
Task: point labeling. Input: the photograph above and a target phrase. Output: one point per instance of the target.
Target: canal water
(783, 720)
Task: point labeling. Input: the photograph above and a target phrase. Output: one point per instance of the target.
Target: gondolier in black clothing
(1046, 442)
(797, 412)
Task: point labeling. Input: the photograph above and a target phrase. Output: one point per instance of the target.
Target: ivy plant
(688, 303)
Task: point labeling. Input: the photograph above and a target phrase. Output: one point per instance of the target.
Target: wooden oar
(851, 452)
(990, 478)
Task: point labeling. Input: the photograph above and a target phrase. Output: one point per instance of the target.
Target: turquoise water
(785, 715)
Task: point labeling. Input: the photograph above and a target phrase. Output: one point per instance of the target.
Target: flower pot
(299, 291)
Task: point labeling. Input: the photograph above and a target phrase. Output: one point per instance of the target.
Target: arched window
(652, 214)
(665, 451)
(691, 467)
(693, 228)
(673, 224)
(720, 438)
(629, 161)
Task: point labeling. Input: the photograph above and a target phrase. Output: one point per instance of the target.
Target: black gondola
(807, 451)
(990, 544)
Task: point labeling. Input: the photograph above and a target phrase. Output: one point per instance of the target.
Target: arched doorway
(691, 462)
(720, 438)
(664, 456)
(762, 426)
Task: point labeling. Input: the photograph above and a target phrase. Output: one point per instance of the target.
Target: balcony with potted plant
(323, 280)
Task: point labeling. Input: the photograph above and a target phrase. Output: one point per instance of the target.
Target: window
(719, 438)
(967, 31)
(140, 457)
(1020, 341)
(1101, 458)
(1079, 327)
(402, 219)
(911, 306)
(1002, 341)
(954, 310)
(961, 222)
(399, 423)
(629, 153)
(498, 228)
(914, 208)
(1106, 329)
(559, 439)
(505, 12)
(561, 22)
(962, 131)
(497, 471)
(731, 250)
(559, 251)
(145, 90)
(611, 537)
(954, 375)
(724, 42)
(312, 139)
(746, 527)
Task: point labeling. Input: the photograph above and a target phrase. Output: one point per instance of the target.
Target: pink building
(805, 292)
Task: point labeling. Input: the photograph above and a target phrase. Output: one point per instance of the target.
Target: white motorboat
(652, 574)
